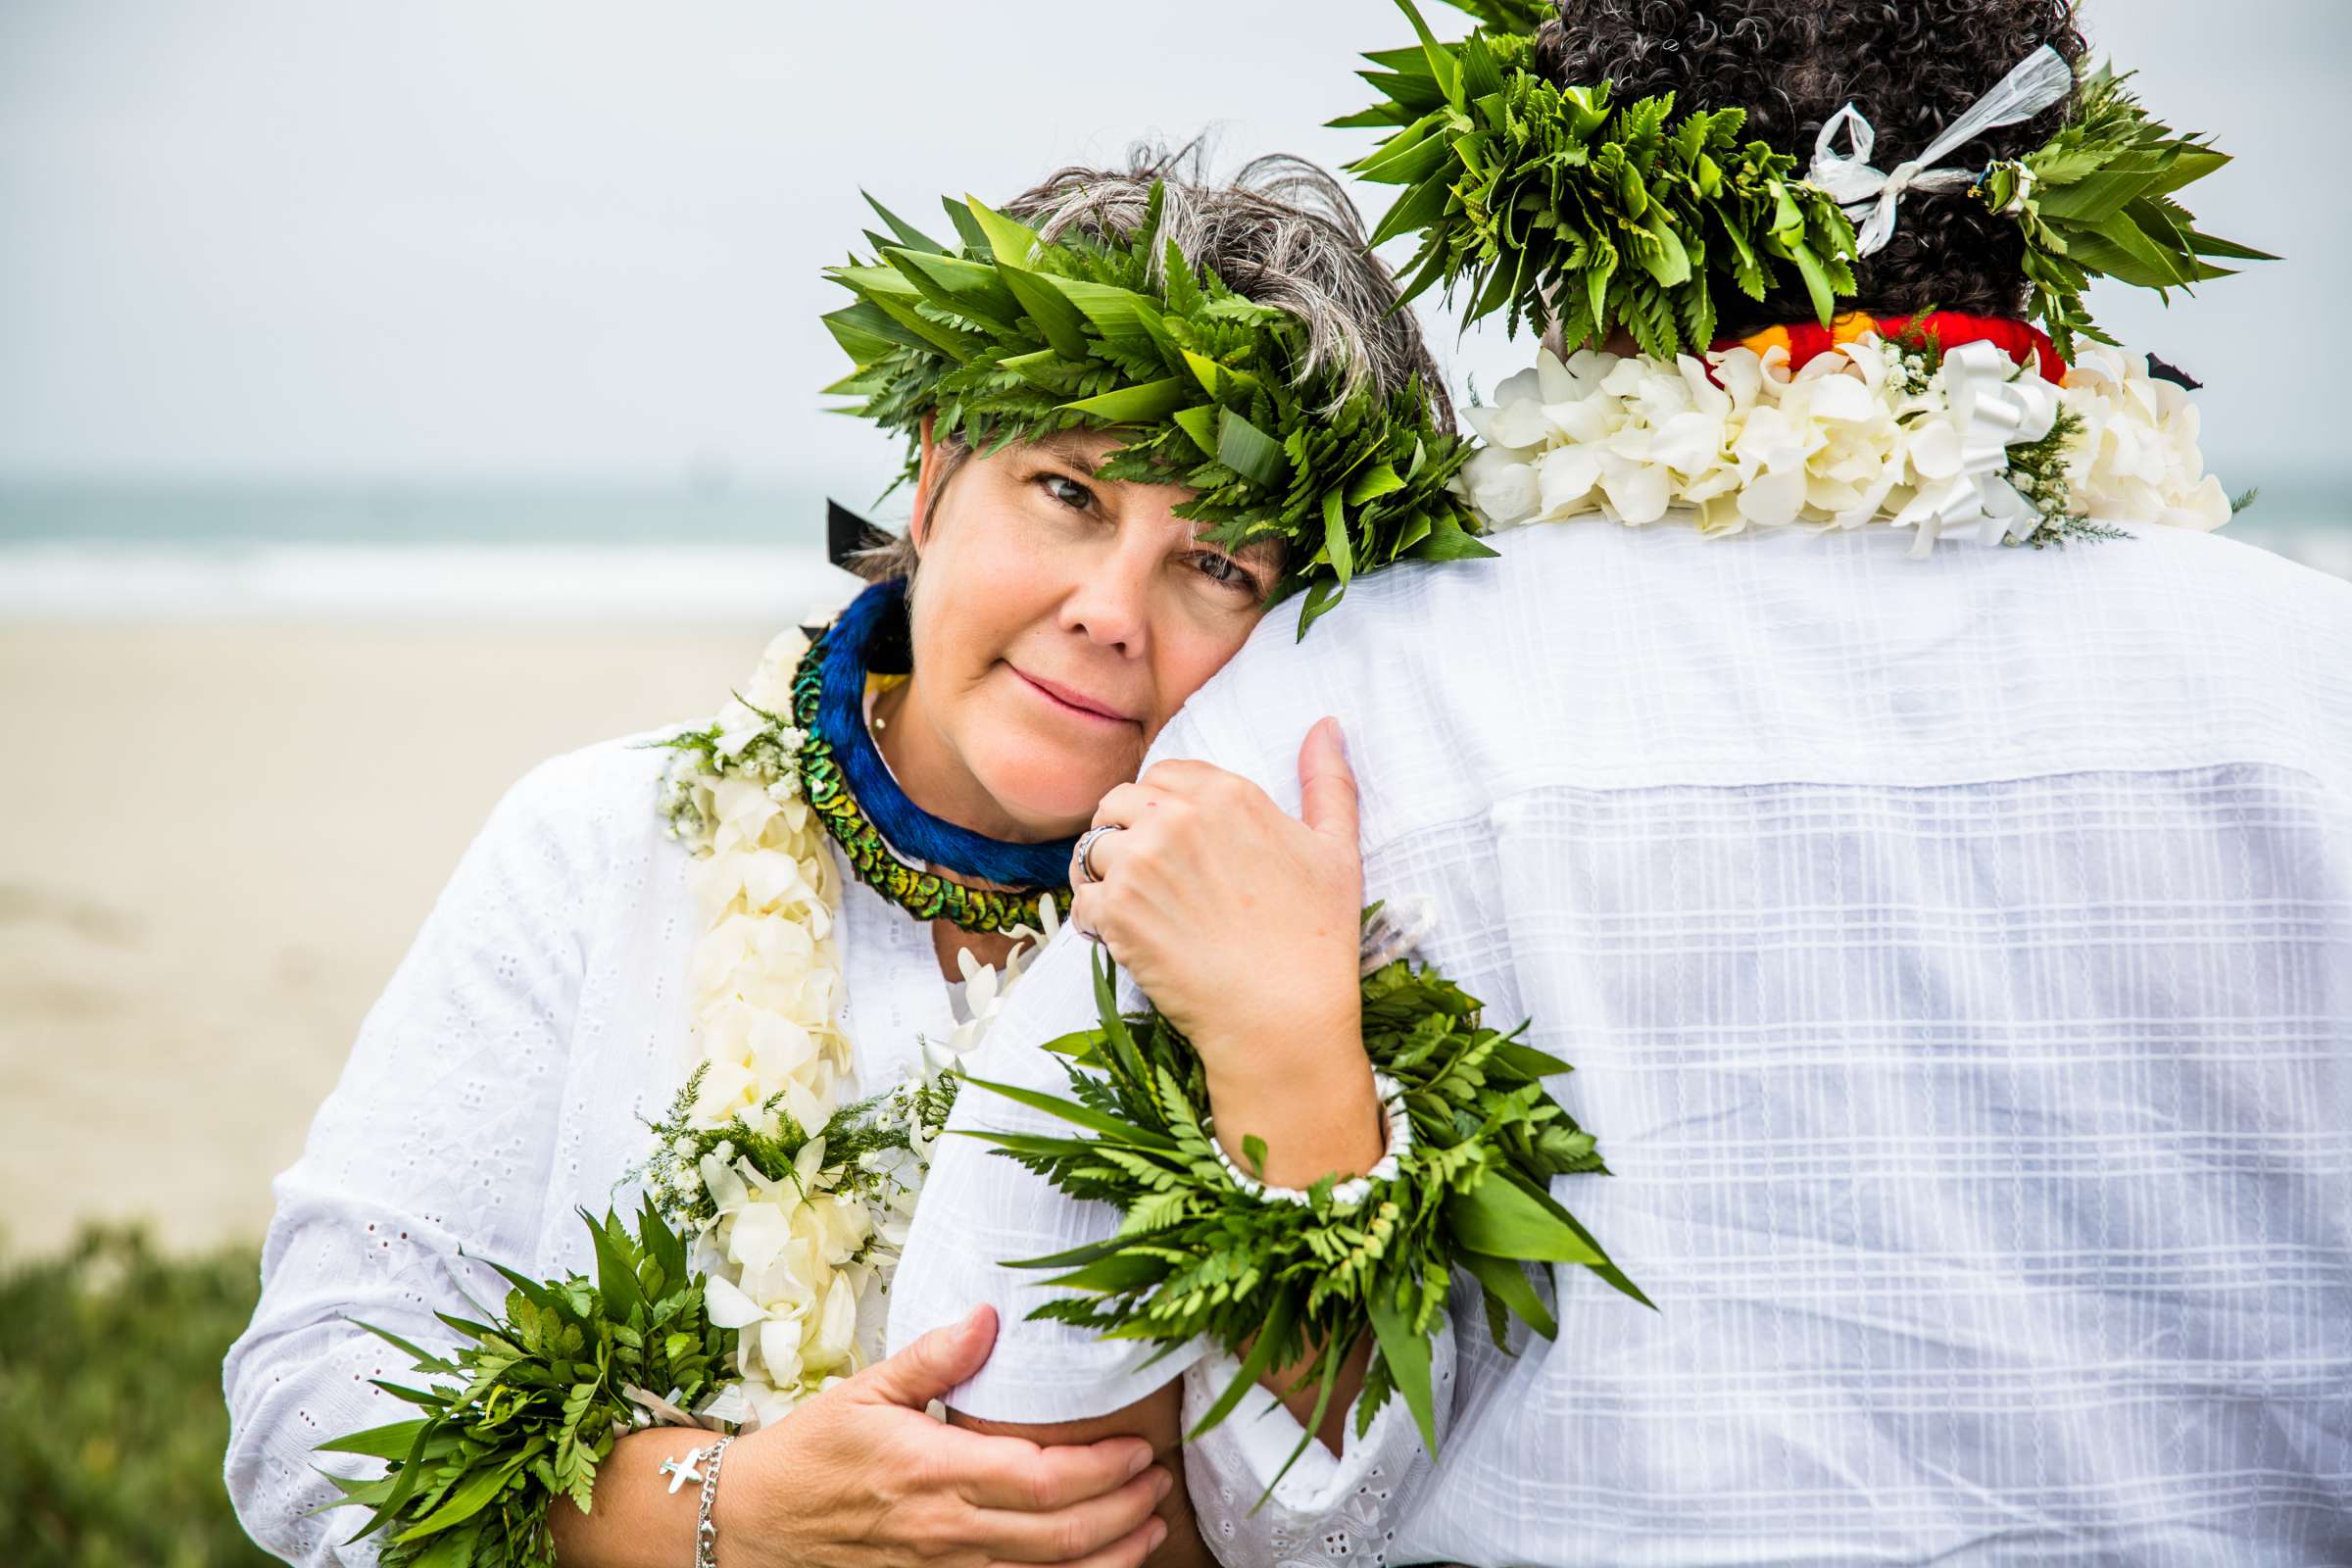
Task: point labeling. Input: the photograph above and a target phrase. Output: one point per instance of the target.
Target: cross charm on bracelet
(682, 1469)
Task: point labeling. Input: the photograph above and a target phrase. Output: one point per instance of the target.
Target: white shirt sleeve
(1327, 1508)
(981, 1210)
(438, 1139)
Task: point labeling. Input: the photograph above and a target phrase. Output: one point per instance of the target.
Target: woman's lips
(1063, 698)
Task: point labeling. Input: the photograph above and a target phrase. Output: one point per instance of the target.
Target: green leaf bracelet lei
(540, 1396)
(1197, 1252)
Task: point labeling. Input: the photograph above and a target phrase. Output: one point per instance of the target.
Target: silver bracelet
(706, 1534)
(1353, 1191)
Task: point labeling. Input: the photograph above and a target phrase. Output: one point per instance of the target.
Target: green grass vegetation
(112, 1427)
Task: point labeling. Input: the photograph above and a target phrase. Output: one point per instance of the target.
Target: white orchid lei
(797, 1203)
(1874, 431)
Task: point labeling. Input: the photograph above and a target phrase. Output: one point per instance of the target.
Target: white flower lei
(1872, 431)
(797, 1256)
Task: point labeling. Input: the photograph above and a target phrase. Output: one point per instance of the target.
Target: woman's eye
(1067, 490)
(1225, 570)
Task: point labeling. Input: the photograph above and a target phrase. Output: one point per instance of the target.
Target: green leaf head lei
(1006, 336)
(2097, 201)
(1565, 207)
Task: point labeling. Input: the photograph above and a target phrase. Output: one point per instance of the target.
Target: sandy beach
(216, 842)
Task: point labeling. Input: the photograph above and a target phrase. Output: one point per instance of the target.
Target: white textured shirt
(501, 1083)
(1956, 960)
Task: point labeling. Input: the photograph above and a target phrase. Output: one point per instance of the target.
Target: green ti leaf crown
(1004, 337)
(1562, 206)
(2097, 201)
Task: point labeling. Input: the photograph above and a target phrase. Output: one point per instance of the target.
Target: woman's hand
(860, 1477)
(1243, 927)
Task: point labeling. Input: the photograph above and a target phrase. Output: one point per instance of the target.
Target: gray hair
(1282, 232)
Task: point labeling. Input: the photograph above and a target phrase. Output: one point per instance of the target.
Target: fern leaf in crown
(1560, 205)
(1004, 337)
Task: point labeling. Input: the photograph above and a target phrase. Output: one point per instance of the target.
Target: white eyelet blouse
(498, 1085)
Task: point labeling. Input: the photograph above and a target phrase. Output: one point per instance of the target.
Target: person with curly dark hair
(1951, 940)
(1911, 69)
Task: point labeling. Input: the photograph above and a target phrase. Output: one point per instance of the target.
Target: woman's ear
(926, 485)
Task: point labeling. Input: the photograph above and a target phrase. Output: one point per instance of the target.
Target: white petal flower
(836, 1326)
(1773, 499)
(1554, 382)
(771, 685)
(1692, 442)
(728, 1305)
(1501, 486)
(1566, 478)
(2138, 460)
(1842, 397)
(759, 1233)
(738, 727)
(779, 1340)
(1638, 492)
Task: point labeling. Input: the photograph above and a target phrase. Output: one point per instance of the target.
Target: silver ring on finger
(1085, 853)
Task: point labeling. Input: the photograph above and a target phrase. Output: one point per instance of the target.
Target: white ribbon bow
(1995, 409)
(1871, 197)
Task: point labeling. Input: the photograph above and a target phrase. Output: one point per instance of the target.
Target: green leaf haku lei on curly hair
(1621, 215)
(1303, 1283)
(1563, 207)
(1005, 337)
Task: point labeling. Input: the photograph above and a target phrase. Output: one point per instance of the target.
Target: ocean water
(546, 554)
(487, 553)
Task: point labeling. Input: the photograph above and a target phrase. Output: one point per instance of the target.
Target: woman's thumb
(934, 1363)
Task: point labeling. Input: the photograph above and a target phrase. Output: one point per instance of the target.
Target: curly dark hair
(1913, 67)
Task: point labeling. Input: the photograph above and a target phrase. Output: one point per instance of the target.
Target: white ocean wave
(710, 583)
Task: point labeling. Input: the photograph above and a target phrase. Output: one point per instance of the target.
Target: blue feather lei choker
(829, 700)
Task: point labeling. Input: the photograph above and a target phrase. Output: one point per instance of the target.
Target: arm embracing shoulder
(436, 1142)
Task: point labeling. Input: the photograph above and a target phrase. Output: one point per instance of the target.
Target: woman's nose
(1109, 604)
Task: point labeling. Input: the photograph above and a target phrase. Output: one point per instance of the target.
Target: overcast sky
(451, 239)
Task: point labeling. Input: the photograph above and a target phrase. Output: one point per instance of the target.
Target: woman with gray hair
(1140, 408)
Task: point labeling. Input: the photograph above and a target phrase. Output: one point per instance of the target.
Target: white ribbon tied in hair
(1871, 197)
(1994, 408)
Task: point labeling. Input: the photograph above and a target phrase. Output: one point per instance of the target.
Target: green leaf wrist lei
(537, 1401)
(1204, 1249)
